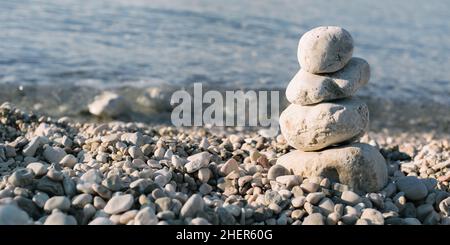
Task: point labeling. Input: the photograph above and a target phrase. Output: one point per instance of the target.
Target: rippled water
(234, 44)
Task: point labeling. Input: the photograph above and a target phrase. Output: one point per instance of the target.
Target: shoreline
(137, 173)
(152, 105)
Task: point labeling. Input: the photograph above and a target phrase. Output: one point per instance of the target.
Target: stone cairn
(323, 121)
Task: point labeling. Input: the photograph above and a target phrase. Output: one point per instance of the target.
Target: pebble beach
(64, 172)
(113, 113)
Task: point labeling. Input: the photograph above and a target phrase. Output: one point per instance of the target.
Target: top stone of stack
(325, 49)
(328, 70)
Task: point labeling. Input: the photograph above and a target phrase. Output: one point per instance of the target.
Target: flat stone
(307, 88)
(197, 161)
(38, 168)
(314, 219)
(57, 202)
(350, 198)
(315, 197)
(21, 177)
(80, 200)
(54, 154)
(373, 216)
(146, 216)
(314, 127)
(119, 204)
(12, 215)
(192, 206)
(413, 188)
(325, 49)
(358, 165)
(58, 218)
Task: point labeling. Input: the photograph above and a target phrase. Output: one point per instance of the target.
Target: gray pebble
(314, 219)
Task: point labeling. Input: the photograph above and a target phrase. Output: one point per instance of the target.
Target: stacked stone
(323, 121)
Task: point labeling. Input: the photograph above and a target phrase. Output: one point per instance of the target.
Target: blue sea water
(233, 43)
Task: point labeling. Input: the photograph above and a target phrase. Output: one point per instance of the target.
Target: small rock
(350, 198)
(314, 219)
(230, 166)
(359, 165)
(307, 88)
(38, 168)
(310, 187)
(326, 206)
(225, 217)
(58, 218)
(54, 154)
(80, 200)
(277, 171)
(146, 216)
(119, 204)
(315, 197)
(68, 161)
(54, 174)
(192, 206)
(91, 176)
(205, 188)
(40, 198)
(135, 152)
(21, 177)
(204, 174)
(99, 203)
(49, 186)
(373, 216)
(289, 180)
(413, 188)
(163, 204)
(325, 49)
(12, 215)
(57, 202)
(30, 149)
